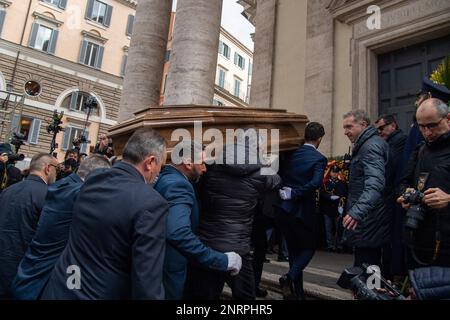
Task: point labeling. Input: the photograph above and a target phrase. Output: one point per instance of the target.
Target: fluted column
(144, 70)
(261, 93)
(193, 61)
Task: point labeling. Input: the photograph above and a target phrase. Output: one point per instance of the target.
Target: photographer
(104, 146)
(427, 226)
(9, 174)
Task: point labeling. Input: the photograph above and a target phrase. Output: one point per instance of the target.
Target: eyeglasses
(381, 128)
(430, 126)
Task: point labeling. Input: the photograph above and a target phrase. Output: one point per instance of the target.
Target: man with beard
(175, 185)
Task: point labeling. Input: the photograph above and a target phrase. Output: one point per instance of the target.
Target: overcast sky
(234, 22)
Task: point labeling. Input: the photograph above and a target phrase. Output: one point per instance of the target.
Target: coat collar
(172, 169)
(394, 134)
(368, 133)
(75, 178)
(130, 169)
(442, 140)
(34, 177)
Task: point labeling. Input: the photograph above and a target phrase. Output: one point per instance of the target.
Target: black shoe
(287, 288)
(261, 293)
(282, 259)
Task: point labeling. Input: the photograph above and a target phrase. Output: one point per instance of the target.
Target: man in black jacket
(429, 172)
(388, 130)
(367, 224)
(229, 197)
(20, 208)
(117, 237)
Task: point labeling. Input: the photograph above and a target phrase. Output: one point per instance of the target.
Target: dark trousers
(259, 241)
(301, 250)
(207, 284)
(370, 256)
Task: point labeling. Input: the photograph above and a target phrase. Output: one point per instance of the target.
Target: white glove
(234, 263)
(286, 193)
(334, 197)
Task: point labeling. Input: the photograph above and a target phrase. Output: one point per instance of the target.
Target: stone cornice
(349, 11)
(5, 3)
(51, 20)
(129, 3)
(249, 9)
(93, 36)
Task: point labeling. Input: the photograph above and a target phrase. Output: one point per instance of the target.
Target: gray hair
(359, 116)
(92, 162)
(39, 161)
(441, 108)
(143, 143)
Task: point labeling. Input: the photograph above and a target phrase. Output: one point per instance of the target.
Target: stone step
(312, 290)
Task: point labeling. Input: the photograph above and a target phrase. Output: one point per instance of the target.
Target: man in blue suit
(296, 214)
(20, 208)
(175, 185)
(117, 238)
(52, 231)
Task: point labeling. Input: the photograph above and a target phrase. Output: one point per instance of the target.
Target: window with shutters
(239, 60)
(99, 12)
(57, 3)
(2, 19)
(91, 54)
(237, 87)
(222, 76)
(130, 24)
(75, 102)
(28, 126)
(72, 133)
(43, 38)
(224, 50)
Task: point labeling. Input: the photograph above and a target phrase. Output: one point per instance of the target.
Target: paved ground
(319, 277)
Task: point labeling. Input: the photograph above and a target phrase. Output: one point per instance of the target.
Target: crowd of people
(96, 227)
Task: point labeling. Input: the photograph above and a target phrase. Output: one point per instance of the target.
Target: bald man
(20, 208)
(429, 172)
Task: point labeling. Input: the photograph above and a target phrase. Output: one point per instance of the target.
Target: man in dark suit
(20, 208)
(52, 232)
(117, 237)
(297, 209)
(175, 185)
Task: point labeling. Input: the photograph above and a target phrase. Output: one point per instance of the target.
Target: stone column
(193, 61)
(261, 93)
(144, 70)
(319, 73)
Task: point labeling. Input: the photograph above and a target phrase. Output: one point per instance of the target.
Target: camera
(90, 103)
(15, 157)
(55, 125)
(17, 140)
(81, 139)
(356, 279)
(415, 213)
